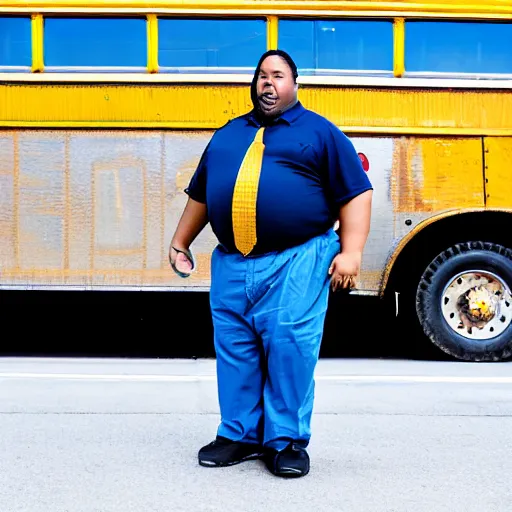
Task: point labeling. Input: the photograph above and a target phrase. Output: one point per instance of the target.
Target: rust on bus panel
(431, 178)
(433, 174)
(498, 163)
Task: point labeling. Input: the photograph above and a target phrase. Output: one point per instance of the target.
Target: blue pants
(268, 316)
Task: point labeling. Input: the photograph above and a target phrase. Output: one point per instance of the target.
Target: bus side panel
(95, 208)
(98, 208)
(498, 171)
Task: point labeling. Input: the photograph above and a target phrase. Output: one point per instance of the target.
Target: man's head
(274, 86)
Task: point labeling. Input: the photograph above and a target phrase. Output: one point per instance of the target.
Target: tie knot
(259, 135)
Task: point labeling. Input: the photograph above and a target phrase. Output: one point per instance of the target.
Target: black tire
(432, 301)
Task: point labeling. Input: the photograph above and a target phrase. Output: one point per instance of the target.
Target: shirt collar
(288, 116)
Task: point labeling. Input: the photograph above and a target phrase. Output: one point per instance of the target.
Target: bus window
(95, 43)
(458, 47)
(323, 46)
(210, 44)
(15, 43)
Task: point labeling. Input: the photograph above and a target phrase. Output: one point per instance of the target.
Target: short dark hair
(279, 53)
(283, 55)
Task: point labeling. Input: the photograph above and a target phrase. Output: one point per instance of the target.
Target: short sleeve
(346, 177)
(196, 189)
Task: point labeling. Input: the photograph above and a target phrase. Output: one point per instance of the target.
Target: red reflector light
(364, 161)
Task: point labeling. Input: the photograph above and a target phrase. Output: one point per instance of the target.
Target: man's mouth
(268, 99)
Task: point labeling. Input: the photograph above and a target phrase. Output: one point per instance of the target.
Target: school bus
(106, 107)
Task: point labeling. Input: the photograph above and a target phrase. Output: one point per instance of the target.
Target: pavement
(112, 435)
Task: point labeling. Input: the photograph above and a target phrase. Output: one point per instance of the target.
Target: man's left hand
(344, 269)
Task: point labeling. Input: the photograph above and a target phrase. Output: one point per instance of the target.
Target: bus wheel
(464, 301)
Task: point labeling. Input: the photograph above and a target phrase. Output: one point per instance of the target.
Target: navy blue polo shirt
(310, 168)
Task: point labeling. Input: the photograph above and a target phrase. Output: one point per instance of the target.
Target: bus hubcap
(477, 305)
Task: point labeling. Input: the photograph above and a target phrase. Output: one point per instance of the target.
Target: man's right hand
(193, 219)
(181, 261)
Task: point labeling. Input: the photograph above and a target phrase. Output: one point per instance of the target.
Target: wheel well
(428, 243)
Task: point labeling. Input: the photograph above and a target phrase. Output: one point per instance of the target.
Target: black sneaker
(225, 452)
(292, 462)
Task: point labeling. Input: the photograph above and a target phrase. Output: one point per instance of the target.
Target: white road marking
(436, 379)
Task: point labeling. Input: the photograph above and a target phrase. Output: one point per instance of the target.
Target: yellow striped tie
(245, 194)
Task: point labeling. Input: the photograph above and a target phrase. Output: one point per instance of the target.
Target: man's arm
(193, 220)
(355, 219)
(354, 228)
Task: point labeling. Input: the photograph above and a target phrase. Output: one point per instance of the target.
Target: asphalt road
(121, 435)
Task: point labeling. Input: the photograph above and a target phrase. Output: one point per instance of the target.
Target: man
(272, 183)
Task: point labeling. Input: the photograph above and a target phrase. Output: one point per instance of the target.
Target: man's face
(275, 87)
